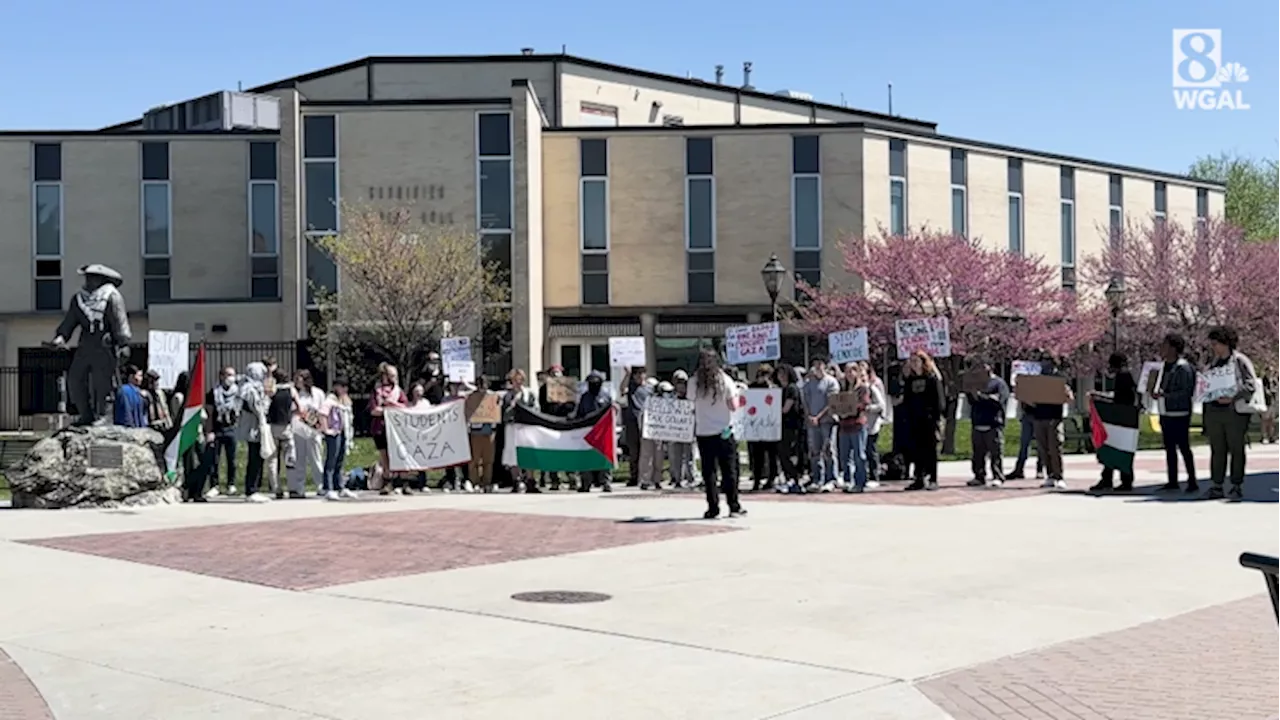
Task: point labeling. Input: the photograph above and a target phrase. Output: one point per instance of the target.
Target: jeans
(1226, 429)
(822, 458)
(1175, 433)
(1048, 433)
(681, 462)
(719, 454)
(253, 473)
(873, 457)
(851, 449)
(988, 449)
(224, 442)
(335, 452)
(1026, 435)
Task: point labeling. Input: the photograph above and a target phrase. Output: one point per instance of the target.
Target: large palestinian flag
(1115, 434)
(553, 444)
(187, 429)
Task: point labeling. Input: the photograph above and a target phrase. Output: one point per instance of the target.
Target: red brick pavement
(19, 698)
(1218, 663)
(320, 552)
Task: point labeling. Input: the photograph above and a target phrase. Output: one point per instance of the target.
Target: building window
(897, 186)
(959, 192)
(321, 198)
(806, 209)
(264, 221)
(1016, 222)
(1067, 202)
(157, 233)
(1116, 210)
(596, 115)
(1161, 204)
(1202, 210)
(46, 226)
(157, 222)
(496, 197)
(700, 220)
(593, 221)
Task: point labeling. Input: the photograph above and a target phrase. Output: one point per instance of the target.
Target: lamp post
(772, 273)
(1115, 298)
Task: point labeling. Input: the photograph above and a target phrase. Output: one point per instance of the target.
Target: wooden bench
(1270, 569)
(13, 449)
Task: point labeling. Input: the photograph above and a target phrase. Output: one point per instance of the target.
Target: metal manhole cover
(561, 597)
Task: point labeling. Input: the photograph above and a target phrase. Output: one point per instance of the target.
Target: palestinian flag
(553, 444)
(1115, 434)
(186, 432)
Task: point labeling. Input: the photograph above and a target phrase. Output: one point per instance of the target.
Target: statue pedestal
(98, 466)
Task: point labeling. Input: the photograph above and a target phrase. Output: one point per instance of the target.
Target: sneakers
(297, 495)
(1101, 486)
(976, 482)
(916, 485)
(1056, 484)
(994, 483)
(1171, 486)
(931, 485)
(1215, 493)
(231, 489)
(1192, 487)
(1015, 475)
(1040, 475)
(873, 484)
(331, 495)
(827, 487)
(345, 493)
(257, 498)
(213, 492)
(1236, 492)
(737, 513)
(711, 515)
(1047, 484)
(467, 487)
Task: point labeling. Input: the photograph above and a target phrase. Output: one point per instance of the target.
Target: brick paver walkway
(1218, 663)
(19, 699)
(287, 553)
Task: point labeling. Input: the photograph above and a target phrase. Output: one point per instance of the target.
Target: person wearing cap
(680, 453)
(650, 457)
(98, 310)
(158, 417)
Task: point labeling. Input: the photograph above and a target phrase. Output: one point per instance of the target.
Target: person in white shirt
(713, 394)
(308, 437)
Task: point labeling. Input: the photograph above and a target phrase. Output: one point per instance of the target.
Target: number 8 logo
(1200, 58)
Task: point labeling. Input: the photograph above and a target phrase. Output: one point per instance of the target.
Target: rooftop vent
(794, 95)
(526, 51)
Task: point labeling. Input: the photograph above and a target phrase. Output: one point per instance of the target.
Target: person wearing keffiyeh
(222, 410)
(253, 428)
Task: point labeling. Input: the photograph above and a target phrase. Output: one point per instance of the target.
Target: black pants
(923, 454)
(1175, 432)
(873, 457)
(194, 470)
(791, 453)
(764, 462)
(224, 443)
(631, 433)
(252, 473)
(1108, 475)
(719, 453)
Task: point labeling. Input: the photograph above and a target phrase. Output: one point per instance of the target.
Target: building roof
(576, 60)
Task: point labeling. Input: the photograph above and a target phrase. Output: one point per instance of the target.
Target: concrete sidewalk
(979, 604)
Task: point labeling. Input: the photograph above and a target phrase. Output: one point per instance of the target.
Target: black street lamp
(1115, 298)
(772, 273)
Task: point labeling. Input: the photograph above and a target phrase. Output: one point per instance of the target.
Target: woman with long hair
(308, 440)
(763, 454)
(713, 393)
(791, 450)
(386, 394)
(518, 393)
(877, 413)
(1226, 419)
(924, 405)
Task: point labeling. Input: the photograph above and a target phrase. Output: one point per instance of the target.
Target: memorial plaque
(106, 457)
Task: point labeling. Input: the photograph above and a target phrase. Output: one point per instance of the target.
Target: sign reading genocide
(668, 420)
(848, 346)
(426, 437)
(168, 353)
(752, 343)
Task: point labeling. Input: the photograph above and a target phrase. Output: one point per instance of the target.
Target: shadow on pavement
(646, 520)
(1260, 487)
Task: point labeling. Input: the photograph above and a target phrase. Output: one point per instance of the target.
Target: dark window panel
(496, 251)
(805, 152)
(155, 266)
(495, 194)
(155, 161)
(595, 262)
(263, 161)
(700, 213)
(265, 265)
(595, 289)
(495, 134)
(319, 136)
(699, 158)
(155, 290)
(898, 158)
(1116, 186)
(594, 156)
(571, 360)
(1162, 197)
(1068, 277)
(265, 287)
(48, 294)
(807, 260)
(1067, 181)
(47, 162)
(702, 287)
(321, 193)
(812, 277)
(701, 261)
(959, 167)
(1202, 203)
(1015, 175)
(49, 268)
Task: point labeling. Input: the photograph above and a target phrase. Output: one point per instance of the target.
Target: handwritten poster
(1216, 383)
(168, 353)
(483, 407)
(1023, 367)
(1150, 376)
(933, 335)
(758, 417)
(626, 352)
(752, 343)
(455, 349)
(425, 437)
(668, 420)
(848, 346)
(461, 371)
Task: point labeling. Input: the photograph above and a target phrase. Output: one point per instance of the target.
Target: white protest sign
(1149, 369)
(758, 416)
(1023, 367)
(626, 352)
(752, 343)
(168, 353)
(668, 420)
(425, 437)
(848, 346)
(455, 349)
(461, 371)
(933, 335)
(1216, 383)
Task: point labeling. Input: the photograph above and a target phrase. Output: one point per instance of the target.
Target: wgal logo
(1201, 81)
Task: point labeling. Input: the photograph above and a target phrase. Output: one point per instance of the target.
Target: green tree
(1253, 188)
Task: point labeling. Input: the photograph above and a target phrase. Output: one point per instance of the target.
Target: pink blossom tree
(1189, 279)
(999, 305)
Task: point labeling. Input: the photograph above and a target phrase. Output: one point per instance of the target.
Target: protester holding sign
(1124, 394)
(631, 421)
(1226, 418)
(988, 397)
(877, 412)
(851, 435)
(763, 454)
(680, 460)
(386, 394)
(518, 393)
(1046, 422)
(924, 405)
(1175, 396)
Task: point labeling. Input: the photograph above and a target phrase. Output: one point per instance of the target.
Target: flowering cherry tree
(999, 305)
(1189, 279)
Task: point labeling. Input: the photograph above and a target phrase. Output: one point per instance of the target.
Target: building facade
(624, 202)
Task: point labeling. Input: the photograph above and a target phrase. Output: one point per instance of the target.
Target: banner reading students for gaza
(752, 343)
(425, 437)
(932, 335)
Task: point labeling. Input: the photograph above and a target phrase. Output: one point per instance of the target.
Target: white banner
(758, 417)
(752, 343)
(933, 335)
(425, 436)
(668, 420)
(626, 352)
(168, 353)
(848, 346)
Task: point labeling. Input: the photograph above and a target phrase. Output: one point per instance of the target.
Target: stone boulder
(97, 466)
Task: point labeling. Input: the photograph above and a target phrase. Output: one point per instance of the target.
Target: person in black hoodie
(591, 401)
(986, 412)
(554, 409)
(923, 406)
(1124, 392)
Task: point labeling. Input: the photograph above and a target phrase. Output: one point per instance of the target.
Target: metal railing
(1270, 569)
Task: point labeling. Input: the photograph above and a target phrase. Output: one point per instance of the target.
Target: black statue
(98, 311)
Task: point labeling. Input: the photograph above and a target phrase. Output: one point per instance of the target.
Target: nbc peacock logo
(1201, 80)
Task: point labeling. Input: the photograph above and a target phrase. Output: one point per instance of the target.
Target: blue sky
(1089, 78)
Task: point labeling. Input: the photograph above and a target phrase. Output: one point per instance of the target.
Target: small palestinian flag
(1115, 434)
(553, 444)
(186, 434)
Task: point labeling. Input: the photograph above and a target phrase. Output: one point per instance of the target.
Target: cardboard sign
(758, 417)
(752, 343)
(933, 335)
(425, 436)
(484, 407)
(1042, 390)
(668, 420)
(626, 352)
(975, 380)
(848, 346)
(461, 371)
(1149, 378)
(1216, 383)
(843, 404)
(562, 389)
(168, 353)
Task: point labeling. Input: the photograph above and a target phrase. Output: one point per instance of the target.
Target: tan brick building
(625, 202)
